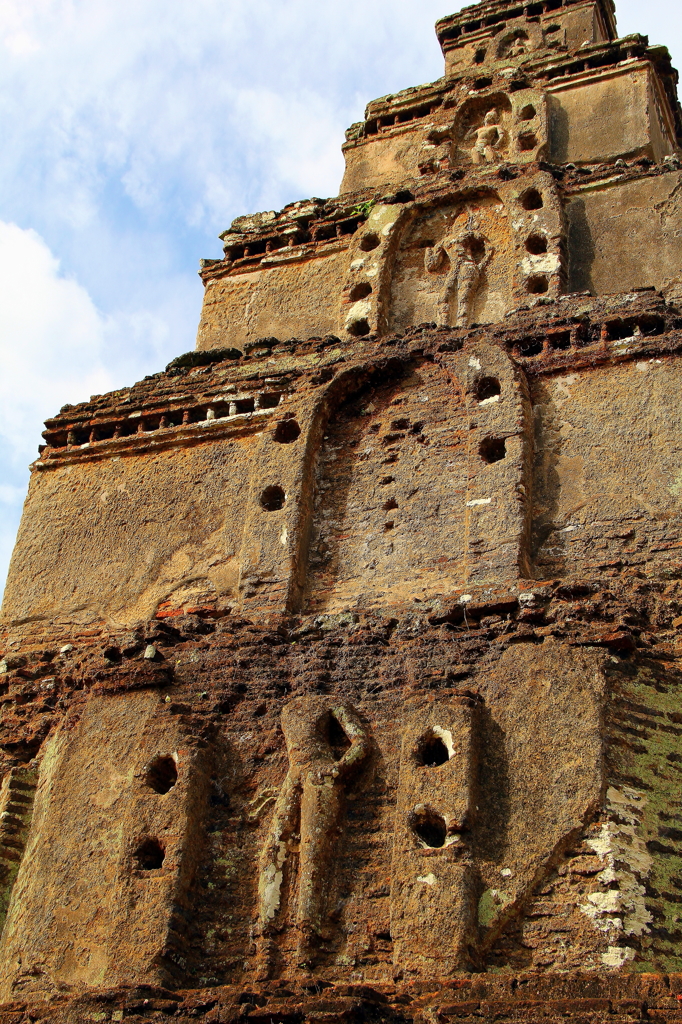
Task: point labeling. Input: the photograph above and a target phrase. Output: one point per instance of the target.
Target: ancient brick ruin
(341, 658)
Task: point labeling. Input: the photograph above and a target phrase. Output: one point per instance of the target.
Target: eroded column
(434, 886)
(327, 745)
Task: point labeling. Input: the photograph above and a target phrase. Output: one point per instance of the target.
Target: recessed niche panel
(453, 267)
(390, 496)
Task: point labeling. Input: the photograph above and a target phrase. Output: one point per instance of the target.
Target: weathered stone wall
(126, 535)
(75, 918)
(623, 234)
(412, 460)
(300, 298)
(341, 659)
(602, 229)
(615, 115)
(609, 465)
(554, 679)
(471, 41)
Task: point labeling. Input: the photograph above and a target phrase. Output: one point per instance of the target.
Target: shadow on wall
(558, 131)
(490, 838)
(581, 250)
(548, 543)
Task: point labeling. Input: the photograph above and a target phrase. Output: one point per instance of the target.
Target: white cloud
(51, 338)
(163, 95)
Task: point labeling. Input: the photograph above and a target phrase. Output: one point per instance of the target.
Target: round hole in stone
(287, 431)
(493, 449)
(429, 827)
(479, 57)
(150, 855)
(487, 387)
(273, 498)
(476, 248)
(359, 328)
(532, 200)
(162, 774)
(527, 142)
(336, 738)
(369, 241)
(536, 245)
(527, 113)
(430, 751)
(537, 285)
(360, 291)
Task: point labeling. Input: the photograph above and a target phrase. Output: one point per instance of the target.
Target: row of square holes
(160, 421)
(323, 232)
(613, 330)
(529, 10)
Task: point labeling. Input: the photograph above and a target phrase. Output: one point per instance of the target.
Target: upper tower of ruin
(543, 88)
(341, 661)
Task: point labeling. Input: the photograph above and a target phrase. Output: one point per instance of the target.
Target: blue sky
(133, 132)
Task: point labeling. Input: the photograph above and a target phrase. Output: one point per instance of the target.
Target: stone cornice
(570, 333)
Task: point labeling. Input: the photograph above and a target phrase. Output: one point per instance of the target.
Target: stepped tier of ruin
(340, 658)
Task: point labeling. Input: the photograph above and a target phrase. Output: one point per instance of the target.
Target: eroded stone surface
(340, 660)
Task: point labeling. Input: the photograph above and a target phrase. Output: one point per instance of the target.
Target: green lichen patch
(645, 753)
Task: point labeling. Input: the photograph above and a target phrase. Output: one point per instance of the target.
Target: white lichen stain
(616, 956)
(561, 392)
(358, 311)
(548, 263)
(429, 879)
(271, 883)
(676, 488)
(619, 910)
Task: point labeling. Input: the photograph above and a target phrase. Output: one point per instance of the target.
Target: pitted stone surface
(339, 661)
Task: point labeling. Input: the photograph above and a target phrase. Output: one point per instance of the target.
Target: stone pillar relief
(328, 746)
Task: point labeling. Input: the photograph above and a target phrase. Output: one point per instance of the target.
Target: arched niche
(454, 265)
(389, 503)
(518, 39)
(482, 130)
(513, 44)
